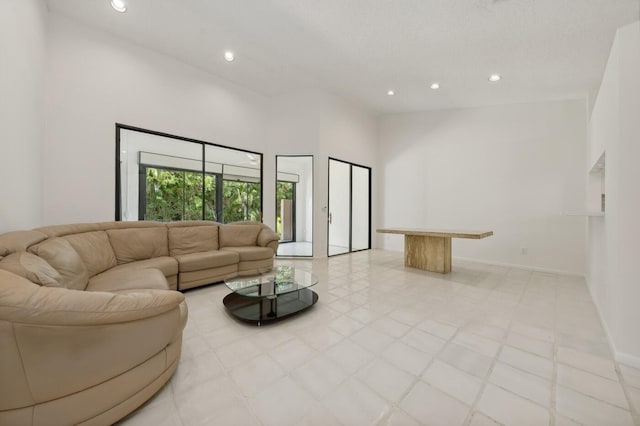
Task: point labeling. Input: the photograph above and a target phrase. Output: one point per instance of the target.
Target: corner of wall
(23, 50)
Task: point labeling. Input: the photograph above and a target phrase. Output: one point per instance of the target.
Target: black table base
(271, 308)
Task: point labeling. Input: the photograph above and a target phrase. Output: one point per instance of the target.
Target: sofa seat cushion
(206, 260)
(128, 279)
(251, 253)
(31, 267)
(168, 265)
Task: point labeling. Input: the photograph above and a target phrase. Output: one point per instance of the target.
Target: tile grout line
(503, 342)
(494, 360)
(418, 378)
(633, 410)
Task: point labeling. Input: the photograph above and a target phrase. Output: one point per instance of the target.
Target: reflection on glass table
(260, 296)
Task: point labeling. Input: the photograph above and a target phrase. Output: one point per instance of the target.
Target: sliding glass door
(360, 208)
(339, 209)
(349, 207)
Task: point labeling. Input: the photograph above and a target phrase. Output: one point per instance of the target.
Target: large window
(168, 178)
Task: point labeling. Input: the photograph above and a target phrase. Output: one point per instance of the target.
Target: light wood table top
(443, 233)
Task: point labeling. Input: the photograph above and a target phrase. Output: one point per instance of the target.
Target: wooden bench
(430, 249)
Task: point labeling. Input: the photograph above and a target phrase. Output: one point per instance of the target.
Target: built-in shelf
(595, 188)
(583, 213)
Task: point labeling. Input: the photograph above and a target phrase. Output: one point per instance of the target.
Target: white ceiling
(359, 49)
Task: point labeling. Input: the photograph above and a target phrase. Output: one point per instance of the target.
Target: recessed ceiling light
(119, 5)
(391, 92)
(495, 78)
(435, 86)
(229, 56)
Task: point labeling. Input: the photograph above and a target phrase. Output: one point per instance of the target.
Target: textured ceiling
(359, 49)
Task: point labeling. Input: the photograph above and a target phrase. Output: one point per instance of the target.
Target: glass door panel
(294, 205)
(360, 229)
(349, 207)
(339, 207)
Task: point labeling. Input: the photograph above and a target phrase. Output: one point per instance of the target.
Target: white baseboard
(518, 266)
(627, 359)
(621, 357)
(612, 345)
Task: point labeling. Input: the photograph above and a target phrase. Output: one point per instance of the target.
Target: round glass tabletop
(270, 283)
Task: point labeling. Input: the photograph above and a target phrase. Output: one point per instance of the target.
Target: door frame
(351, 165)
(313, 190)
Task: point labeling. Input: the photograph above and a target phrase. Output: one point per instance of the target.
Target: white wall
(319, 124)
(346, 133)
(511, 169)
(22, 58)
(96, 80)
(613, 239)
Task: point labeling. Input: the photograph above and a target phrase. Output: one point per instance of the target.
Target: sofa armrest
(24, 302)
(59, 342)
(268, 238)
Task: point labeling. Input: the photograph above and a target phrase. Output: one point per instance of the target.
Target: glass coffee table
(262, 296)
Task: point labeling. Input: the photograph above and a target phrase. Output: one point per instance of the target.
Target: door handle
(329, 218)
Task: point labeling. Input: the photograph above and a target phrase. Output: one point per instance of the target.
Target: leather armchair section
(57, 345)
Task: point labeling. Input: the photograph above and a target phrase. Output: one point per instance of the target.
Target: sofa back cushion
(131, 244)
(69, 229)
(238, 235)
(14, 241)
(192, 239)
(94, 250)
(59, 253)
(31, 267)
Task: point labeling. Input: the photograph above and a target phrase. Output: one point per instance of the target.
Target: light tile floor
(389, 345)
(299, 248)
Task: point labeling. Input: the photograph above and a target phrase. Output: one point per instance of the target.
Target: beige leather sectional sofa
(89, 328)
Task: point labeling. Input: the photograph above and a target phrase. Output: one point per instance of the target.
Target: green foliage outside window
(284, 191)
(177, 195)
(173, 195)
(241, 201)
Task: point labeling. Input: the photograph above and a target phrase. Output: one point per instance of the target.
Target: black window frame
(219, 199)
